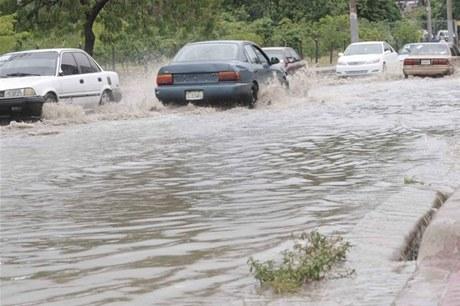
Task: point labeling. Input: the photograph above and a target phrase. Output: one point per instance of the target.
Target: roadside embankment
(437, 278)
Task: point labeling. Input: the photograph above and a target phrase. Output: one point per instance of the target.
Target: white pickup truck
(30, 78)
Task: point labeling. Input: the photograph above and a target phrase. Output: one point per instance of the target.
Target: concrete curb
(437, 278)
(324, 70)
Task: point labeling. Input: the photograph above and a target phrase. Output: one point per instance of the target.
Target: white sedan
(367, 58)
(30, 78)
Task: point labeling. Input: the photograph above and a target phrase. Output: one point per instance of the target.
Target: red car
(290, 61)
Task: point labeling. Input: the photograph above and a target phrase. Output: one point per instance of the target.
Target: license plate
(425, 62)
(194, 95)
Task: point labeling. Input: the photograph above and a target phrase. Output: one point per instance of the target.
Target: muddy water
(165, 208)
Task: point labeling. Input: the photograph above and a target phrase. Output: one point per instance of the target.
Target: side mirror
(274, 61)
(341, 54)
(61, 73)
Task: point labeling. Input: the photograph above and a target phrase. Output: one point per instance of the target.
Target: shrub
(311, 258)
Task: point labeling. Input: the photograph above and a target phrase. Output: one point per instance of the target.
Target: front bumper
(352, 70)
(429, 70)
(24, 107)
(217, 94)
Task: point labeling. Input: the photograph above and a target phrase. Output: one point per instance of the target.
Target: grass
(312, 257)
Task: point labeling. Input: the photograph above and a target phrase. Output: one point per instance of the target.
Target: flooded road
(165, 208)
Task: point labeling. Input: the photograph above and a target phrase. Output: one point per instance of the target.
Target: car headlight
(373, 61)
(19, 92)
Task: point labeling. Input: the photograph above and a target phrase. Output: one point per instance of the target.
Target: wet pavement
(137, 204)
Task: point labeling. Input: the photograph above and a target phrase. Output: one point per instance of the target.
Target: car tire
(50, 98)
(252, 99)
(406, 76)
(106, 97)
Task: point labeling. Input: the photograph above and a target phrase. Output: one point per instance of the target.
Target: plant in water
(411, 180)
(312, 256)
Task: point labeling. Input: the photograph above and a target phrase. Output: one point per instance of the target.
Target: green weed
(312, 257)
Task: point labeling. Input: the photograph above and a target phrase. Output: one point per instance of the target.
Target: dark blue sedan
(216, 73)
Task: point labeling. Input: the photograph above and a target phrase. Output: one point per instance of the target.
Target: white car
(367, 58)
(30, 78)
(443, 35)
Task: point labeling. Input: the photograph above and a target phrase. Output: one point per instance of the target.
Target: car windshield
(207, 52)
(28, 64)
(274, 53)
(361, 49)
(430, 49)
(406, 49)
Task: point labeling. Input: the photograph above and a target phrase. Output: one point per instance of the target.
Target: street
(140, 204)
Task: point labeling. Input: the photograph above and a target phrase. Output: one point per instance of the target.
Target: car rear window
(29, 63)
(207, 52)
(430, 49)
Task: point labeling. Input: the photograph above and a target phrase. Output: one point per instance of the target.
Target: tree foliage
(139, 30)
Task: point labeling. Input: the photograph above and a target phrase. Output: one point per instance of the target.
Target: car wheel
(254, 96)
(50, 98)
(406, 76)
(106, 97)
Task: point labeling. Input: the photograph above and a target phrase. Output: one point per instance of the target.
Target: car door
(70, 87)
(390, 56)
(262, 65)
(297, 60)
(90, 80)
(256, 66)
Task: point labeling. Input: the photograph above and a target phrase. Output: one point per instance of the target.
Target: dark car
(216, 72)
(290, 61)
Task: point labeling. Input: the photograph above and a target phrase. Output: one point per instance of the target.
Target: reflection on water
(167, 209)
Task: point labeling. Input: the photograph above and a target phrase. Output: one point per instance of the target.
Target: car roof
(275, 48)
(367, 42)
(240, 42)
(58, 50)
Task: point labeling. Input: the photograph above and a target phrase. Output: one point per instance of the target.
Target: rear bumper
(24, 106)
(217, 94)
(428, 70)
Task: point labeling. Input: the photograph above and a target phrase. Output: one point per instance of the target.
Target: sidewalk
(437, 278)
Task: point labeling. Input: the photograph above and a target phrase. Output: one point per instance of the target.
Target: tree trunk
(91, 16)
(429, 25)
(450, 20)
(354, 21)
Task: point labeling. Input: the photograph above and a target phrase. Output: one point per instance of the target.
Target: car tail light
(440, 61)
(229, 76)
(165, 79)
(410, 62)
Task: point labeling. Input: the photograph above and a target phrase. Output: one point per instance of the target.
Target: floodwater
(135, 204)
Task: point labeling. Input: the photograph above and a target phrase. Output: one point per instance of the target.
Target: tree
(58, 15)
(354, 22)
(333, 32)
(381, 10)
(7, 34)
(406, 31)
(91, 11)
